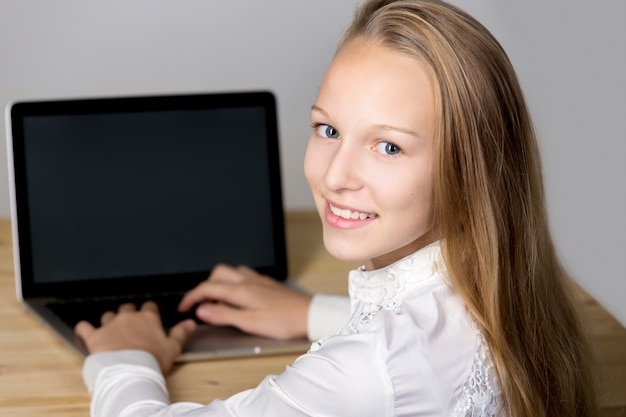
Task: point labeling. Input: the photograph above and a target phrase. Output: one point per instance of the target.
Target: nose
(342, 172)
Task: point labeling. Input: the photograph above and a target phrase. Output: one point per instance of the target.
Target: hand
(254, 303)
(132, 329)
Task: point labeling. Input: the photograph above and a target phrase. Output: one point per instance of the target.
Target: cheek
(313, 164)
(308, 164)
(417, 200)
(423, 203)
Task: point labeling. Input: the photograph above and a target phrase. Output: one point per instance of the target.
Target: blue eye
(327, 131)
(387, 148)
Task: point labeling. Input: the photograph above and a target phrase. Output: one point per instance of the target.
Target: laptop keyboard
(71, 312)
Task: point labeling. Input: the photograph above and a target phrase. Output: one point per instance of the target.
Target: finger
(126, 307)
(150, 306)
(220, 273)
(228, 274)
(83, 329)
(206, 291)
(107, 317)
(180, 333)
(177, 337)
(192, 297)
(224, 315)
(226, 284)
(246, 272)
(238, 295)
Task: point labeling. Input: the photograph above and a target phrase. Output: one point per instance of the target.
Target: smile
(349, 214)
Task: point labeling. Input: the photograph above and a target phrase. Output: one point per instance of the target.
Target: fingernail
(203, 311)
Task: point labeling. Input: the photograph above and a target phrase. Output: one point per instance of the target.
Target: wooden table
(40, 376)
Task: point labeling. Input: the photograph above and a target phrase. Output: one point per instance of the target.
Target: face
(369, 159)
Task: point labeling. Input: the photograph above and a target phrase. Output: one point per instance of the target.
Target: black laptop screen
(148, 190)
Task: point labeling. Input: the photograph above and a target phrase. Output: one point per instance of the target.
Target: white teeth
(347, 214)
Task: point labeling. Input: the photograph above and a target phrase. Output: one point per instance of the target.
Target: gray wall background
(570, 56)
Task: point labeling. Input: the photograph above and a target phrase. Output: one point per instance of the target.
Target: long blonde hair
(489, 206)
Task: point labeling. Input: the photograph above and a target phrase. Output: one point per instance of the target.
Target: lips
(350, 214)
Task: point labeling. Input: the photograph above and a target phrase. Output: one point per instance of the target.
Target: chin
(344, 251)
(347, 250)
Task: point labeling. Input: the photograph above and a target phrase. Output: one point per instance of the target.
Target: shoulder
(410, 360)
(346, 367)
(452, 347)
(431, 343)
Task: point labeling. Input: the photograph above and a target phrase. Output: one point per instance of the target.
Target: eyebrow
(382, 127)
(319, 109)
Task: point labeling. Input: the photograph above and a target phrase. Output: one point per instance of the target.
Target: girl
(423, 163)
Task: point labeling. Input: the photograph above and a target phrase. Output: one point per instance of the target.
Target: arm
(327, 314)
(129, 355)
(329, 381)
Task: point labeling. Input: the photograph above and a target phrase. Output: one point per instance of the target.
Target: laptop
(131, 199)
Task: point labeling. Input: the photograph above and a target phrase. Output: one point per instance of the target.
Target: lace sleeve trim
(481, 396)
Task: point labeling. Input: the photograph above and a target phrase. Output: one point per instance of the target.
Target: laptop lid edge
(12, 201)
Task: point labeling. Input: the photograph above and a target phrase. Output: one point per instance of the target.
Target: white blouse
(410, 348)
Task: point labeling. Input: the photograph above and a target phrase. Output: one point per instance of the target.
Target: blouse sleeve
(328, 381)
(327, 314)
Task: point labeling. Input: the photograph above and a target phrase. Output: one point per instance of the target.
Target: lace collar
(389, 285)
